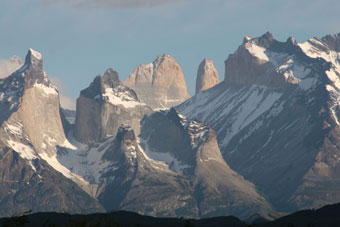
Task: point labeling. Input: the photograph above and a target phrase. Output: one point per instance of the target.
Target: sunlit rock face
(160, 84)
(31, 129)
(207, 76)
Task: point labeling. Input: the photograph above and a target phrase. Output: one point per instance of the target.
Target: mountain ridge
(264, 139)
(276, 124)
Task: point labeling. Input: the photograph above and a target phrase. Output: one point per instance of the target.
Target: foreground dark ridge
(119, 218)
(325, 216)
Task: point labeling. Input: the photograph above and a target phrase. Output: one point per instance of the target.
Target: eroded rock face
(31, 130)
(256, 62)
(104, 106)
(32, 105)
(277, 118)
(142, 184)
(160, 84)
(190, 149)
(207, 76)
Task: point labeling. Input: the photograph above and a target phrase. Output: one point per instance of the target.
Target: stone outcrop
(160, 84)
(256, 62)
(31, 129)
(207, 76)
(104, 106)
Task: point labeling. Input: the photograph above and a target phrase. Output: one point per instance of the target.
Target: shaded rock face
(104, 106)
(144, 185)
(31, 129)
(276, 118)
(174, 169)
(190, 149)
(37, 187)
(207, 76)
(330, 42)
(160, 84)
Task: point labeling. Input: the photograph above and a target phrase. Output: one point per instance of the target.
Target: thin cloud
(113, 3)
(65, 101)
(8, 66)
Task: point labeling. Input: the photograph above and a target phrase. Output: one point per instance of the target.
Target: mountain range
(265, 140)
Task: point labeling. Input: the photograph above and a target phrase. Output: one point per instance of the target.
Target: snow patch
(257, 51)
(25, 151)
(53, 162)
(67, 144)
(36, 54)
(15, 129)
(166, 158)
(113, 96)
(334, 77)
(86, 162)
(47, 90)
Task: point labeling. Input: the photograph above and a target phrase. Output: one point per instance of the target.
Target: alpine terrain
(276, 116)
(265, 139)
(31, 130)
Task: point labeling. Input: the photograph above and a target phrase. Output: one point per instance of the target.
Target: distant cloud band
(8, 66)
(113, 3)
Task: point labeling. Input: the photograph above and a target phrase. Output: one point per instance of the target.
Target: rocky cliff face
(31, 130)
(104, 106)
(160, 84)
(142, 184)
(189, 148)
(257, 61)
(174, 168)
(276, 118)
(207, 76)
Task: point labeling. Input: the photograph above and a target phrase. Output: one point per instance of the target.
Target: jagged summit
(277, 118)
(159, 84)
(266, 61)
(125, 132)
(31, 129)
(105, 105)
(111, 78)
(30, 74)
(207, 76)
(33, 56)
(163, 58)
(108, 88)
(332, 41)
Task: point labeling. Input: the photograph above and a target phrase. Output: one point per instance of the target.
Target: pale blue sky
(81, 39)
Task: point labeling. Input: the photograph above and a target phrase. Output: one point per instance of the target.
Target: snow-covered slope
(276, 118)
